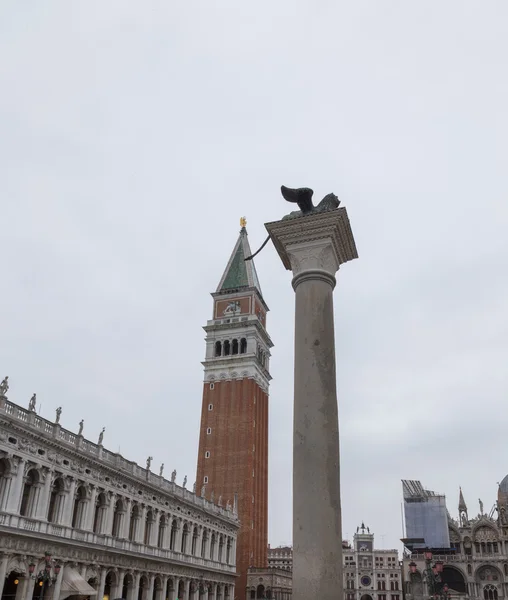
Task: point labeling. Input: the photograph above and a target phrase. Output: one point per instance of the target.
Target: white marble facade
(71, 507)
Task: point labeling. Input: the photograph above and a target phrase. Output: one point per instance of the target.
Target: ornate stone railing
(86, 448)
(42, 528)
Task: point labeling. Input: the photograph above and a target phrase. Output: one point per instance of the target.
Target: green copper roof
(236, 275)
(239, 273)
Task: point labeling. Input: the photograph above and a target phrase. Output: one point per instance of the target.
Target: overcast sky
(133, 137)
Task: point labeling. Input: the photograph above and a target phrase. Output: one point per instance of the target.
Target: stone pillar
(102, 583)
(43, 505)
(151, 583)
(3, 572)
(116, 592)
(127, 519)
(107, 526)
(14, 500)
(69, 504)
(186, 594)
(58, 584)
(313, 247)
(90, 512)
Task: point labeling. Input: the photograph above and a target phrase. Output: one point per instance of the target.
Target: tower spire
(462, 503)
(240, 274)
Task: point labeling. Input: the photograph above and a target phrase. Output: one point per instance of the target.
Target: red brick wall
(238, 447)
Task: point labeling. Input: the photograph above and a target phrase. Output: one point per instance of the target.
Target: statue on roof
(31, 404)
(101, 436)
(184, 482)
(161, 470)
(149, 462)
(81, 424)
(58, 413)
(303, 198)
(173, 476)
(4, 386)
(481, 506)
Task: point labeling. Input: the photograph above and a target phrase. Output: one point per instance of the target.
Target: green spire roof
(240, 273)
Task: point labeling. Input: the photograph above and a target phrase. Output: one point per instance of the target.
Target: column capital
(314, 246)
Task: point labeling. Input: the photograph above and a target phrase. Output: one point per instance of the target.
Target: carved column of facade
(154, 530)
(232, 556)
(126, 519)
(28, 589)
(186, 595)
(69, 504)
(135, 587)
(90, 513)
(14, 500)
(43, 503)
(167, 533)
(117, 590)
(5, 488)
(199, 541)
(214, 591)
(107, 527)
(57, 587)
(102, 584)
(179, 533)
(3, 572)
(313, 247)
(140, 529)
(151, 583)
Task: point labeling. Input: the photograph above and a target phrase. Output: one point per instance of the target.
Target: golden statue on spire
(243, 221)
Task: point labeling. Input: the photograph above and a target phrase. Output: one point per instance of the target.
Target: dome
(502, 493)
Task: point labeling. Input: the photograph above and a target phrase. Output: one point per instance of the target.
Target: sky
(133, 138)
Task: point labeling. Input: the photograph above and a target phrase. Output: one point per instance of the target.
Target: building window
(209, 431)
(210, 407)
(207, 454)
(205, 479)
(212, 385)
(395, 596)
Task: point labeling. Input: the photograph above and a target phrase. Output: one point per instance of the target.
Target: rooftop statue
(303, 197)
(4, 386)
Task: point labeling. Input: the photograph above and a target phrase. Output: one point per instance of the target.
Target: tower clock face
(364, 548)
(365, 581)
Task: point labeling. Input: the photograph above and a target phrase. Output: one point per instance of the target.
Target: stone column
(90, 513)
(3, 572)
(58, 584)
(14, 500)
(116, 592)
(43, 505)
(69, 503)
(313, 247)
(102, 583)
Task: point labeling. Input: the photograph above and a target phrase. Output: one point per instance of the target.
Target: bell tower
(233, 439)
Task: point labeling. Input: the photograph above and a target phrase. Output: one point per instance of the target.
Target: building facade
(233, 442)
(79, 520)
(475, 565)
(369, 573)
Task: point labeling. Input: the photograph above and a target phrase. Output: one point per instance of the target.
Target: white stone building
(79, 520)
(370, 574)
(476, 564)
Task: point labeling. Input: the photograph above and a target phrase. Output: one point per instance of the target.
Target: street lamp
(437, 589)
(44, 576)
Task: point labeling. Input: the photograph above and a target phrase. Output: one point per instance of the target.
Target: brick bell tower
(233, 439)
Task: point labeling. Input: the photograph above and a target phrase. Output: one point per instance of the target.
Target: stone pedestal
(313, 247)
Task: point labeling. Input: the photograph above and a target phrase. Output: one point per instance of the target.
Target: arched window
(133, 526)
(101, 507)
(490, 592)
(228, 551)
(30, 494)
(227, 348)
(118, 517)
(5, 482)
(235, 347)
(212, 547)
(243, 346)
(185, 535)
(162, 531)
(203, 543)
(56, 501)
(128, 583)
(194, 541)
(148, 527)
(143, 587)
(174, 531)
(221, 547)
(218, 348)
